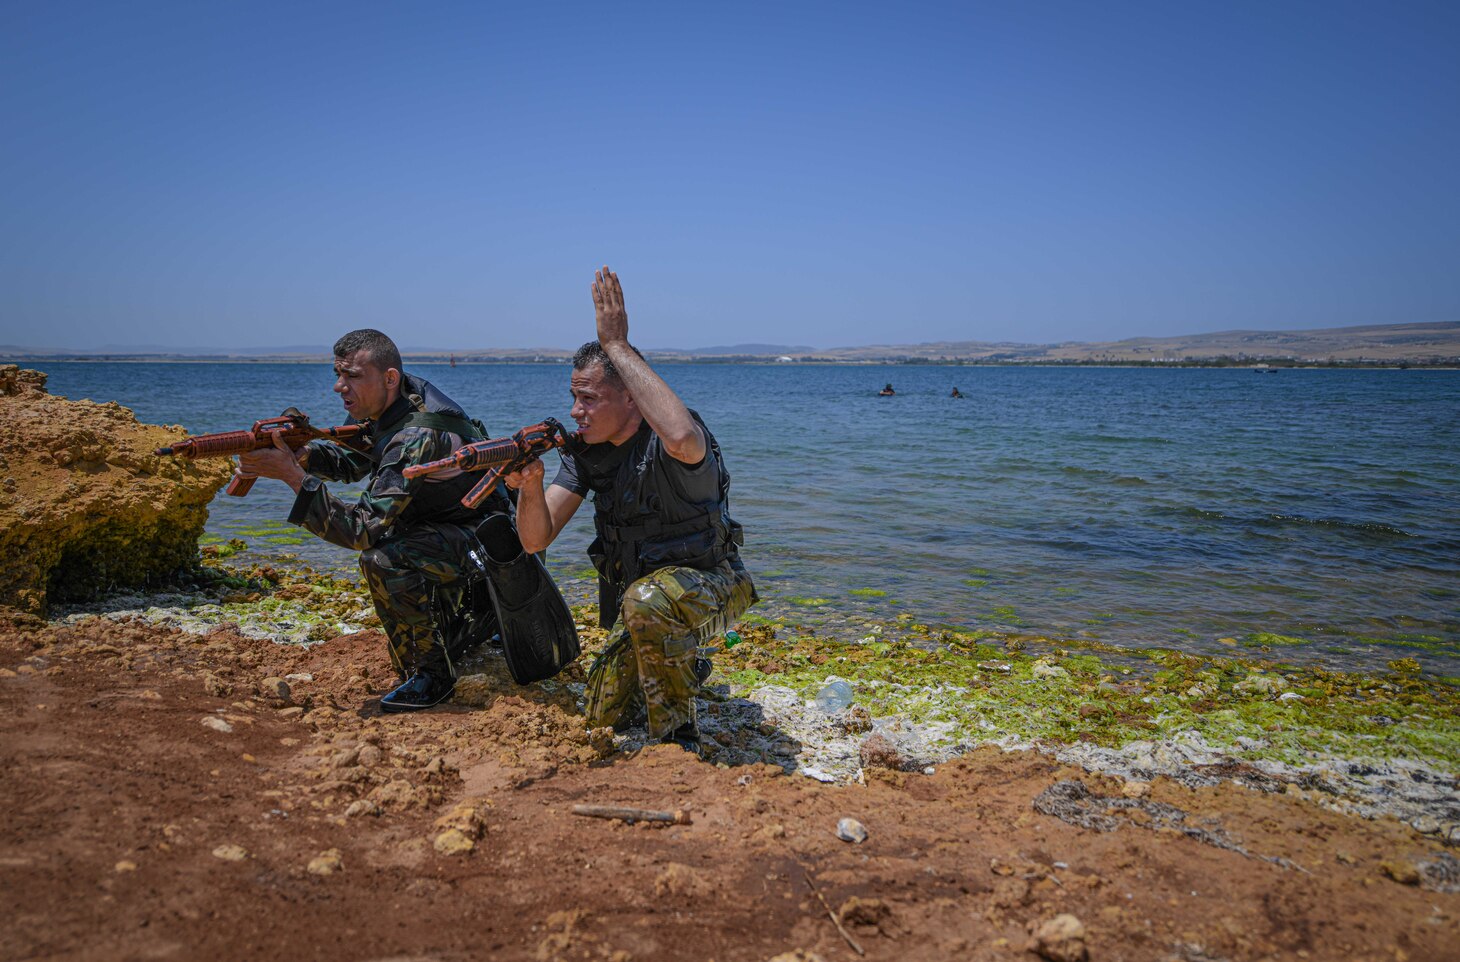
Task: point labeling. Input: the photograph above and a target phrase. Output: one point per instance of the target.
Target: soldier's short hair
(593, 353)
(379, 349)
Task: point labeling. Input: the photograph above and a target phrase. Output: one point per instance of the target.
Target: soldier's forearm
(534, 519)
(660, 406)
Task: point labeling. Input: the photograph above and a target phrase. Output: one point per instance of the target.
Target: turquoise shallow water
(1133, 506)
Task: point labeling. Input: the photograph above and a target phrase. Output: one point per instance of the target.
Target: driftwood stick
(834, 920)
(677, 817)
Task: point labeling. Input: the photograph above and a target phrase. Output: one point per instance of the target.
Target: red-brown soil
(121, 804)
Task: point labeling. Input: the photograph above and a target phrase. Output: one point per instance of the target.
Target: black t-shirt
(593, 468)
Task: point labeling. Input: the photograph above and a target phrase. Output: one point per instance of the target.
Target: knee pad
(642, 610)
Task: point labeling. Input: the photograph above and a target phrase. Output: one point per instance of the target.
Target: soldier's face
(604, 411)
(365, 389)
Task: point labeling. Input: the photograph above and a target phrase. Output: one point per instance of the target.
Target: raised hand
(608, 308)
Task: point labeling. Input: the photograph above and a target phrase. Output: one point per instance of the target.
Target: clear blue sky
(249, 174)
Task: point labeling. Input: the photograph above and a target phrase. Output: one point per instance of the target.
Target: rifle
(293, 426)
(499, 456)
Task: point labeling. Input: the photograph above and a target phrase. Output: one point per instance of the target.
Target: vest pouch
(699, 549)
(598, 554)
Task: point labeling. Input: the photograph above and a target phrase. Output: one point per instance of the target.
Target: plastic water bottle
(833, 697)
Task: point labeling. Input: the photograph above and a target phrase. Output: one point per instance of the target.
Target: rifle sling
(434, 421)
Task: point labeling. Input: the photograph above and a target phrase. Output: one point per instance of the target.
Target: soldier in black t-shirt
(670, 574)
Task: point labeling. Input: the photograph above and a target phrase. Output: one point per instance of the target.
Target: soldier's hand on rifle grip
(530, 473)
(278, 462)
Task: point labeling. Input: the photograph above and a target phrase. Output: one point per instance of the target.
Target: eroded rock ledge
(85, 505)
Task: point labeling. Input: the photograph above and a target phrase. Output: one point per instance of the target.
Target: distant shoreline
(1260, 364)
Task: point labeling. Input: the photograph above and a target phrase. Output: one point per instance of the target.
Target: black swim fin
(538, 635)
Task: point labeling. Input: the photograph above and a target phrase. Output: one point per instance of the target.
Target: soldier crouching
(667, 551)
(414, 536)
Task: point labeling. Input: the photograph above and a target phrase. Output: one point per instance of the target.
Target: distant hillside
(1379, 342)
(1416, 343)
(1385, 342)
(742, 350)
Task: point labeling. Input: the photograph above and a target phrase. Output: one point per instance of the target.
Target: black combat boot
(428, 685)
(687, 736)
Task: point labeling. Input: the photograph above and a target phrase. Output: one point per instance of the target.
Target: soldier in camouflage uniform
(667, 554)
(413, 536)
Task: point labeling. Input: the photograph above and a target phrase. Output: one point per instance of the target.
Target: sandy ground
(166, 797)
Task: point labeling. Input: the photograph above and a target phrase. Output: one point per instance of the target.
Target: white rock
(216, 723)
(1260, 684)
(851, 830)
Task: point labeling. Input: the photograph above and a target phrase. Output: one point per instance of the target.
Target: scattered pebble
(125, 866)
(346, 758)
(216, 723)
(275, 688)
(453, 841)
(326, 863)
(362, 806)
(879, 752)
(1043, 669)
(855, 720)
(851, 830)
(231, 853)
(1060, 939)
(1135, 789)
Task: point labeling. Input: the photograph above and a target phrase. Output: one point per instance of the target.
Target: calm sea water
(1134, 506)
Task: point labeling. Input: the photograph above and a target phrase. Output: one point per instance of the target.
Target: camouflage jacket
(389, 503)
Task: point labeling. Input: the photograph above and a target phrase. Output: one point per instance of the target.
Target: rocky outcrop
(85, 505)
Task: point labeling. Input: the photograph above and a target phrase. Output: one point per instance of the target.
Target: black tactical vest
(645, 522)
(423, 405)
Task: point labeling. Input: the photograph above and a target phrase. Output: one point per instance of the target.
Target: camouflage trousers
(650, 660)
(403, 573)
